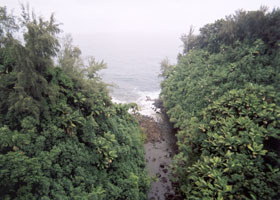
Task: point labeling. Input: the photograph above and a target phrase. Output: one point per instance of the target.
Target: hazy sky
(126, 16)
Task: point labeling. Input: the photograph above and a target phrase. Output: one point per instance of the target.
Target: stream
(160, 147)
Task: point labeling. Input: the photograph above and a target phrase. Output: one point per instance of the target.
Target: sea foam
(145, 102)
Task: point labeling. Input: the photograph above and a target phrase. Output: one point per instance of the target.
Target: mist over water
(133, 61)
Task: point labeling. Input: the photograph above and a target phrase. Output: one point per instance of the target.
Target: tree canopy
(61, 135)
(223, 96)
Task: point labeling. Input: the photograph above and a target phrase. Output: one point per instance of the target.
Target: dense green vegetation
(61, 136)
(223, 96)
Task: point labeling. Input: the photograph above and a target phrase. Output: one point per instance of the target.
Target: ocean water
(133, 63)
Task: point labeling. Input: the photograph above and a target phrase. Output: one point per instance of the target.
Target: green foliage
(237, 157)
(243, 26)
(166, 67)
(223, 98)
(70, 61)
(7, 24)
(200, 78)
(61, 136)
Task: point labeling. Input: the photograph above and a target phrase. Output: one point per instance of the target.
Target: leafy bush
(200, 78)
(61, 136)
(238, 146)
(223, 97)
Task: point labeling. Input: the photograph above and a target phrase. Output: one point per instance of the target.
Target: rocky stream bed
(160, 147)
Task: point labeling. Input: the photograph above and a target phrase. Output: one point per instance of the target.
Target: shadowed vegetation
(61, 136)
(223, 96)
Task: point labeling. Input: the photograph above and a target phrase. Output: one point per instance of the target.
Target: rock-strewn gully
(160, 147)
